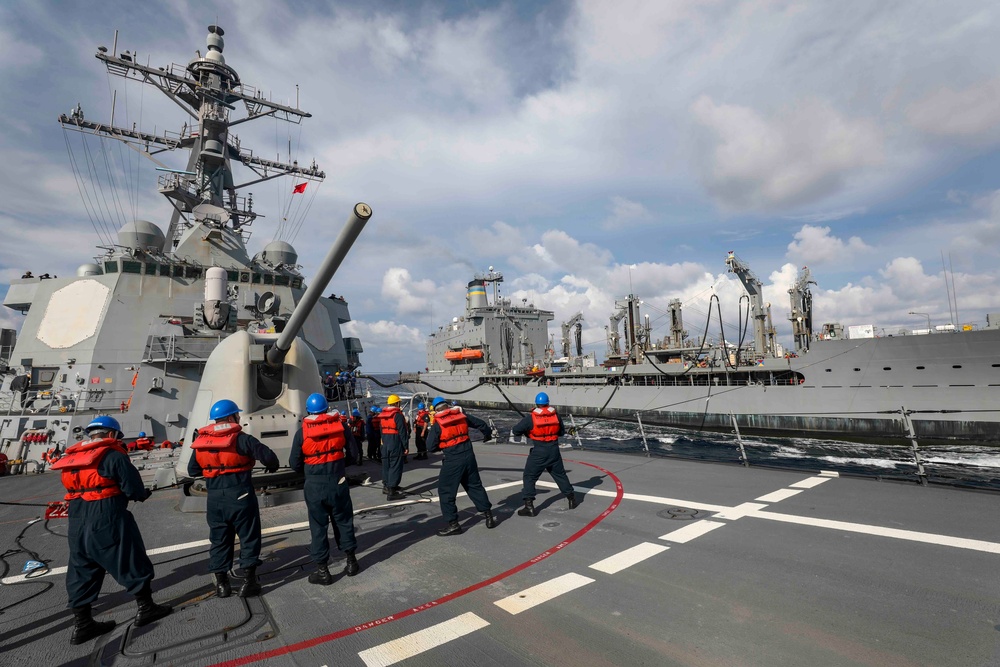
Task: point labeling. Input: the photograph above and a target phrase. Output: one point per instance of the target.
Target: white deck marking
(392, 652)
(739, 511)
(809, 482)
(896, 533)
(629, 557)
(780, 494)
(543, 592)
(691, 531)
(659, 500)
(828, 473)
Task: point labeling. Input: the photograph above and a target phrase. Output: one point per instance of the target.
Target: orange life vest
(144, 443)
(358, 427)
(79, 470)
(423, 417)
(323, 439)
(388, 420)
(454, 427)
(544, 425)
(215, 450)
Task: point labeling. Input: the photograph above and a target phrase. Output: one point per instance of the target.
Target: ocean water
(958, 465)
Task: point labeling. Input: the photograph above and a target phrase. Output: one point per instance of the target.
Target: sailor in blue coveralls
(103, 535)
(395, 442)
(319, 449)
(450, 434)
(225, 456)
(543, 428)
(374, 435)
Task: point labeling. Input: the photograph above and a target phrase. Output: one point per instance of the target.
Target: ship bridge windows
(111, 266)
(192, 272)
(297, 283)
(281, 281)
(268, 279)
(130, 266)
(255, 279)
(232, 276)
(178, 271)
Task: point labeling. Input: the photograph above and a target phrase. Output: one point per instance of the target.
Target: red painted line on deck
(315, 641)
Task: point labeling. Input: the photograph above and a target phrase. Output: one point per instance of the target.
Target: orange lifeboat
(469, 353)
(465, 354)
(453, 355)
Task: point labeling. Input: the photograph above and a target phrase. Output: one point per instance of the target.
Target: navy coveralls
(233, 508)
(543, 457)
(104, 538)
(328, 498)
(392, 453)
(374, 438)
(459, 467)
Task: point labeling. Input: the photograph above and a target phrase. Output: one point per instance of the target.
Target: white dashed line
(780, 494)
(628, 558)
(544, 592)
(809, 482)
(689, 532)
(828, 473)
(418, 642)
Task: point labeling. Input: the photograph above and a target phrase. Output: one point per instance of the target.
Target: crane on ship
(763, 332)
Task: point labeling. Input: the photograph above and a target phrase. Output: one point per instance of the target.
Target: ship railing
(39, 402)
(179, 349)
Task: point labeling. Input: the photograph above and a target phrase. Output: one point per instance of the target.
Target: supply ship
(130, 333)
(847, 383)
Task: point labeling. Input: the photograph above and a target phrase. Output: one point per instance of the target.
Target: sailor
(328, 384)
(543, 427)
(450, 434)
(420, 424)
(357, 426)
(374, 433)
(353, 381)
(319, 449)
(143, 442)
(395, 434)
(103, 535)
(225, 456)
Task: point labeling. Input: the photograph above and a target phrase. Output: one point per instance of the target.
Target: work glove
(271, 469)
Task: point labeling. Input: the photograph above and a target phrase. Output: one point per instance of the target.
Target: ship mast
(762, 340)
(802, 310)
(208, 90)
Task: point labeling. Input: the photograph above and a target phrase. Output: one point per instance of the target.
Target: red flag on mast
(299, 189)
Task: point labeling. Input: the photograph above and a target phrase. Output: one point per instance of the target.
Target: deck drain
(680, 513)
(551, 524)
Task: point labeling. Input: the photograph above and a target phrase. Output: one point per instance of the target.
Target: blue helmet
(355, 413)
(142, 434)
(421, 406)
(542, 398)
(222, 409)
(438, 402)
(375, 409)
(105, 422)
(316, 404)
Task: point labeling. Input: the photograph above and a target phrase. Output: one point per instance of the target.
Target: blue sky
(576, 146)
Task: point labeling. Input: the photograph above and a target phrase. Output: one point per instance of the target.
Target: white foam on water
(875, 463)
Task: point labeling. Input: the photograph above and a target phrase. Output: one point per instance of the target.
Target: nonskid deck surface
(684, 564)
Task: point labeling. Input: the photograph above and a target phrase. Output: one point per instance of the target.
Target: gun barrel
(348, 235)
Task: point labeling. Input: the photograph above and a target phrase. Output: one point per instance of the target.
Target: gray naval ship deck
(664, 562)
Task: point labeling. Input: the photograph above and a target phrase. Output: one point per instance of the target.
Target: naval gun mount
(268, 375)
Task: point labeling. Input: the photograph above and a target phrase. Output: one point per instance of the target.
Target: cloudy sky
(585, 149)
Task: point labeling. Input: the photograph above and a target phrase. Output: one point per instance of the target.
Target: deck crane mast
(575, 321)
(802, 310)
(763, 340)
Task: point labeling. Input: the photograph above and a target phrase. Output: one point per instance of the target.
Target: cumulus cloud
(408, 296)
(815, 245)
(801, 154)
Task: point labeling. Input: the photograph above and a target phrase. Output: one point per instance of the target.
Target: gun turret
(352, 229)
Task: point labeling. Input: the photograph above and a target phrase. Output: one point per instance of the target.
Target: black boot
(321, 576)
(85, 627)
(222, 586)
(528, 509)
(491, 521)
(251, 584)
(452, 529)
(571, 499)
(396, 494)
(385, 490)
(149, 611)
(352, 564)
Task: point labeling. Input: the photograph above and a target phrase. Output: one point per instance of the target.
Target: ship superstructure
(131, 332)
(836, 383)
